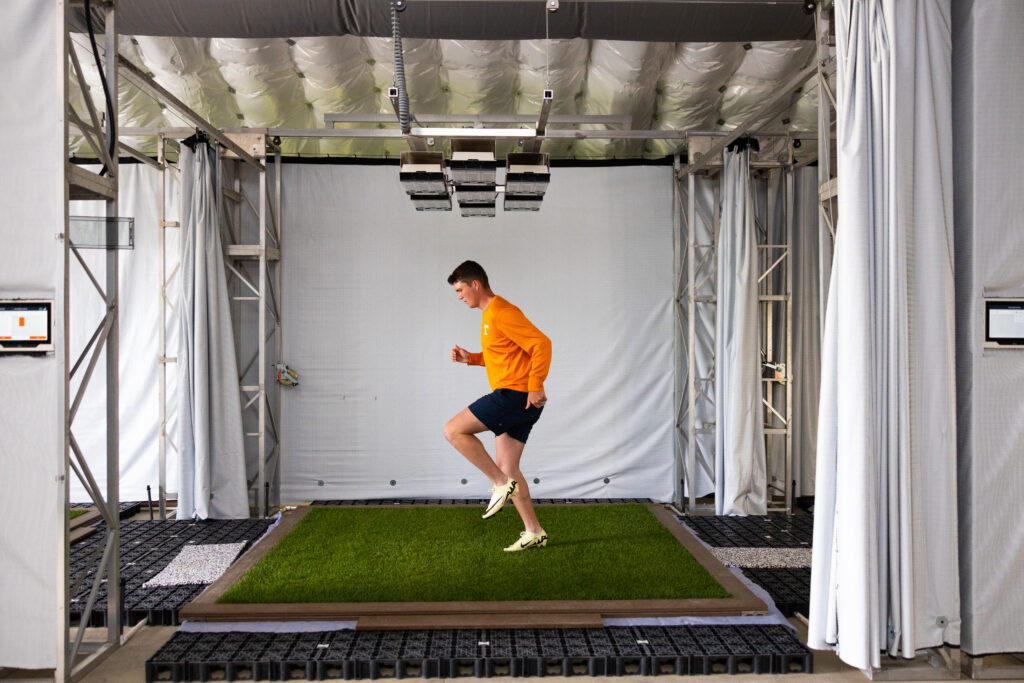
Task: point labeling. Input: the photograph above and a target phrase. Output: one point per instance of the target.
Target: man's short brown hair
(467, 271)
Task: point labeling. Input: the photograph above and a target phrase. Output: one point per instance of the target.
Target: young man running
(516, 356)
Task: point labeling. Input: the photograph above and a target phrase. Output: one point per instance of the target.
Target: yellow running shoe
(528, 539)
(500, 496)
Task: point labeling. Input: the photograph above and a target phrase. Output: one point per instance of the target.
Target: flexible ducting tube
(403, 95)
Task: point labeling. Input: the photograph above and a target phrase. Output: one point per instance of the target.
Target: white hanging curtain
(885, 571)
(210, 440)
(740, 473)
(806, 300)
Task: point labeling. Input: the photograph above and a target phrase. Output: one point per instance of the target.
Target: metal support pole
(788, 179)
(113, 423)
(278, 341)
(161, 152)
(679, 345)
(261, 494)
(691, 360)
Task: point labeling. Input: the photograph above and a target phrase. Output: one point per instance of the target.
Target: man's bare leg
(508, 452)
(460, 432)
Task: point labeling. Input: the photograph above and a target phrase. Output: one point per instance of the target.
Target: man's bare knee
(451, 432)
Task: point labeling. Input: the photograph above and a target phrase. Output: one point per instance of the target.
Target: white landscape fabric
(369, 320)
(31, 388)
(212, 456)
(884, 574)
(740, 470)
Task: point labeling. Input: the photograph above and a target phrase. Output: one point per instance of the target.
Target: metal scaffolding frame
(75, 658)
(254, 272)
(695, 297)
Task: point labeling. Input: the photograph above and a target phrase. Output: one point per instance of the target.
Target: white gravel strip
(197, 564)
(763, 558)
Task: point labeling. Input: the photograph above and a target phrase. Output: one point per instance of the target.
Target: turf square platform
(418, 554)
(437, 567)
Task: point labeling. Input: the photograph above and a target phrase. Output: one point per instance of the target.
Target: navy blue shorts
(504, 411)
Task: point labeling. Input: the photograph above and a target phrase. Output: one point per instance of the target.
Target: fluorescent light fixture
(475, 194)
(527, 174)
(422, 173)
(522, 202)
(473, 161)
(477, 210)
(431, 202)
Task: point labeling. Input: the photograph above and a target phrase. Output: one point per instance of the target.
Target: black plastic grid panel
(146, 548)
(127, 509)
(789, 588)
(478, 501)
(348, 655)
(755, 531)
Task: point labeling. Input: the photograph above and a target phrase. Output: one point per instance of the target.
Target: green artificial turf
(76, 512)
(442, 554)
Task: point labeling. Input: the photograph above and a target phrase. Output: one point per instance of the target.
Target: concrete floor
(128, 665)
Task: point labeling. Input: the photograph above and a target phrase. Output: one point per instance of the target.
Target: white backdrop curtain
(884, 574)
(740, 471)
(369, 321)
(988, 96)
(212, 479)
(31, 387)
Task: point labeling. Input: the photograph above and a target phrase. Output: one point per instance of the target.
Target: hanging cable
(112, 141)
(403, 95)
(547, 56)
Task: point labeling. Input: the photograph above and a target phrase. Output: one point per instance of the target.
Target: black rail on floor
(127, 509)
(790, 588)
(761, 531)
(614, 651)
(146, 548)
(479, 501)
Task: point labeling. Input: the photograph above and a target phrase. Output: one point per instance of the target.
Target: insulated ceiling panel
(293, 82)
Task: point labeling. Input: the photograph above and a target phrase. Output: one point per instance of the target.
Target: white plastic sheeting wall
(31, 388)
(988, 49)
(139, 299)
(369, 320)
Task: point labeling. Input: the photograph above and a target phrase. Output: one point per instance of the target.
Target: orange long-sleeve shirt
(515, 353)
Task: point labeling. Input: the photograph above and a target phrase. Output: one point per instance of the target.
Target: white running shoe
(528, 539)
(500, 496)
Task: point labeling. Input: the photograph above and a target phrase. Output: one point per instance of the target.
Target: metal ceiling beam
(764, 110)
(625, 121)
(139, 79)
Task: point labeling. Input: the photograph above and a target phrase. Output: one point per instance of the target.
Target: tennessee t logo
(485, 330)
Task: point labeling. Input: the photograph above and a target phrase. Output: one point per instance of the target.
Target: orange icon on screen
(21, 322)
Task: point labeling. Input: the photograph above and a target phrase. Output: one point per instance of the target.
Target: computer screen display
(1004, 322)
(26, 326)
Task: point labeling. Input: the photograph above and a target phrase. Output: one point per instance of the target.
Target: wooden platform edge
(532, 614)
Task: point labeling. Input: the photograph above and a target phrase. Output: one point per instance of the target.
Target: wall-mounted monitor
(26, 325)
(1004, 323)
